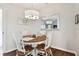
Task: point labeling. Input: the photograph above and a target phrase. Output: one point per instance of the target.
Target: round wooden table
(35, 41)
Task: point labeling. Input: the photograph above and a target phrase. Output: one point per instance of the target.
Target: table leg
(34, 52)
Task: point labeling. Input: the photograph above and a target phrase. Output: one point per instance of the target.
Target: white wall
(0, 32)
(76, 40)
(61, 38)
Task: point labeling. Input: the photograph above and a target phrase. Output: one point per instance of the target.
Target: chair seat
(45, 51)
(28, 47)
(40, 46)
(21, 52)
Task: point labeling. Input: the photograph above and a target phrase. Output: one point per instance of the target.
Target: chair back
(18, 40)
(49, 39)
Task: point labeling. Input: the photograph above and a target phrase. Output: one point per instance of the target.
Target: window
(50, 24)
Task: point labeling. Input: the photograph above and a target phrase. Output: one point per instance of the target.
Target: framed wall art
(77, 19)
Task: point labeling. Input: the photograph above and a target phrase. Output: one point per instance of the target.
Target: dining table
(34, 41)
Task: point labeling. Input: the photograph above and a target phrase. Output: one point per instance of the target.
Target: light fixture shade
(31, 14)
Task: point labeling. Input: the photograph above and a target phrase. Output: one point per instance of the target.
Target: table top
(37, 39)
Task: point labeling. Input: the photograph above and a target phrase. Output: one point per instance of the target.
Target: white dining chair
(43, 51)
(19, 43)
(47, 43)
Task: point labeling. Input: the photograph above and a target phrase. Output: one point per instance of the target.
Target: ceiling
(34, 5)
(43, 8)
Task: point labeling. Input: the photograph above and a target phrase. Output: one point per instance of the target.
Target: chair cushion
(28, 47)
(40, 46)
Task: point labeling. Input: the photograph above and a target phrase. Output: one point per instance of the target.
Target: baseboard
(71, 51)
